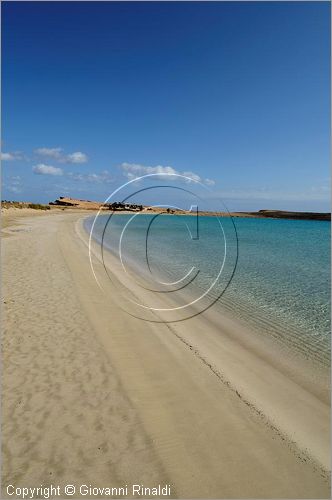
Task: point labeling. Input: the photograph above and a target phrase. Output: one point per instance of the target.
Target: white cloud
(50, 152)
(42, 169)
(16, 155)
(14, 184)
(77, 157)
(103, 177)
(59, 155)
(193, 176)
(14, 189)
(134, 170)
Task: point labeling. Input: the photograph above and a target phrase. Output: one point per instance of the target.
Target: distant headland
(77, 204)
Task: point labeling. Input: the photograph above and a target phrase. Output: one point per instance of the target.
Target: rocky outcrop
(62, 201)
(284, 214)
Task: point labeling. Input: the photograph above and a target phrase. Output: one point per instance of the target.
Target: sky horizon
(233, 94)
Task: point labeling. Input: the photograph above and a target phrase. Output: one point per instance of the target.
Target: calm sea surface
(281, 281)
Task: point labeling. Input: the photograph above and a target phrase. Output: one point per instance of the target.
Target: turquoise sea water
(281, 281)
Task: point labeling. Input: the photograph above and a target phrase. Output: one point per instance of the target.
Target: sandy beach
(94, 396)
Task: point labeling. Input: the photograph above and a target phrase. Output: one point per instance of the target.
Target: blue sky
(233, 93)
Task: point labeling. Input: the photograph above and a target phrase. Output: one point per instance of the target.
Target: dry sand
(94, 396)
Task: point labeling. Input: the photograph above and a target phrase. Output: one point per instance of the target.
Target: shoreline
(253, 322)
(294, 379)
(188, 427)
(71, 204)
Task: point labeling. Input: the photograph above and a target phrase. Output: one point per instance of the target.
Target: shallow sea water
(273, 274)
